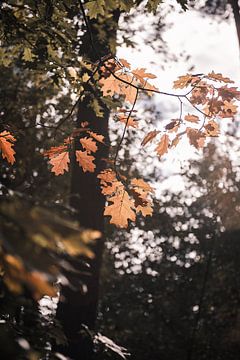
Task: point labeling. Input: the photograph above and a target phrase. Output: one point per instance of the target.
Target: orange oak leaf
(110, 86)
(140, 183)
(109, 182)
(129, 121)
(55, 150)
(85, 160)
(192, 118)
(141, 75)
(149, 137)
(125, 63)
(140, 194)
(185, 80)
(99, 138)
(6, 144)
(229, 109)
(60, 163)
(212, 128)
(196, 138)
(219, 77)
(89, 144)
(162, 146)
(128, 90)
(121, 209)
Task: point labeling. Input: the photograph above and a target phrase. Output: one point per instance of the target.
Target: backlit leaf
(85, 161)
(6, 144)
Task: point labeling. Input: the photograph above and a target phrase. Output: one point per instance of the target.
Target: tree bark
(79, 308)
(236, 13)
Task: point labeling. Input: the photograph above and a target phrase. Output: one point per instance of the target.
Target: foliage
(45, 75)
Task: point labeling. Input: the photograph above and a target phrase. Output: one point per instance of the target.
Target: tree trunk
(236, 13)
(81, 308)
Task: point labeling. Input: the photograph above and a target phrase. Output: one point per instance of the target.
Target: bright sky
(211, 45)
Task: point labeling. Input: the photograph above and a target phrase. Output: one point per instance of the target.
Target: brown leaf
(162, 146)
(173, 126)
(212, 128)
(184, 81)
(175, 141)
(192, 118)
(6, 144)
(219, 77)
(85, 161)
(229, 109)
(60, 163)
(196, 138)
(149, 137)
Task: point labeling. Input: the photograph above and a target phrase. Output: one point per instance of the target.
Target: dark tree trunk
(81, 308)
(236, 13)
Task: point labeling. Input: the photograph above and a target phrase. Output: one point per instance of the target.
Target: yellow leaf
(27, 54)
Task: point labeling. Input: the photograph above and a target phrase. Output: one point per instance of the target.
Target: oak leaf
(173, 126)
(196, 138)
(121, 209)
(175, 141)
(125, 63)
(162, 146)
(89, 144)
(60, 163)
(141, 75)
(212, 128)
(85, 160)
(129, 121)
(110, 86)
(99, 138)
(229, 109)
(191, 118)
(219, 77)
(140, 183)
(184, 81)
(149, 137)
(6, 144)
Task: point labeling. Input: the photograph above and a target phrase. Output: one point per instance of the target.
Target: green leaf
(27, 54)
(95, 8)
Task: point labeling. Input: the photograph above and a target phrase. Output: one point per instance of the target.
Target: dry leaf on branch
(60, 163)
(162, 146)
(149, 137)
(6, 144)
(85, 161)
